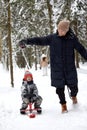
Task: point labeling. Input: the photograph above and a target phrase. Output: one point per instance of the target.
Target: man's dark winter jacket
(62, 57)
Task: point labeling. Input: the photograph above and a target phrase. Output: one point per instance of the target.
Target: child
(44, 64)
(29, 93)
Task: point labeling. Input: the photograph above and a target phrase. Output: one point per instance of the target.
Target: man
(62, 59)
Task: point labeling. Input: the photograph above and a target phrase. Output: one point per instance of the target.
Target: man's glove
(22, 43)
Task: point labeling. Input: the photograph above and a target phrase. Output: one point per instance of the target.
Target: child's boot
(22, 110)
(39, 109)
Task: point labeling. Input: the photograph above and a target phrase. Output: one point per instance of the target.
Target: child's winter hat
(64, 25)
(27, 74)
(43, 55)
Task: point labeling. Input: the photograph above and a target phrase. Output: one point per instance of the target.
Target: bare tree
(0, 46)
(9, 43)
(76, 53)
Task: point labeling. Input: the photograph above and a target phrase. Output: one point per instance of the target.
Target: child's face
(29, 78)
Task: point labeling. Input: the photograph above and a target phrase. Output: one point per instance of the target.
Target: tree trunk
(76, 54)
(50, 13)
(9, 43)
(0, 46)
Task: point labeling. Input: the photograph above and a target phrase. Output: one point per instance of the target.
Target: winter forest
(32, 18)
(25, 18)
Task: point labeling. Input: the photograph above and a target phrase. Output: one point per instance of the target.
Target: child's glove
(32, 97)
(25, 96)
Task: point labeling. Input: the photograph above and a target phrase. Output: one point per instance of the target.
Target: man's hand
(22, 43)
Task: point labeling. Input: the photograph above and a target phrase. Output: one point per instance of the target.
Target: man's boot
(64, 108)
(74, 99)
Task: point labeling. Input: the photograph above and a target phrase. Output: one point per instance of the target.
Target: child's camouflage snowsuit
(29, 93)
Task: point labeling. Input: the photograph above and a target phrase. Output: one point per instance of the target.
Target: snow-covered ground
(51, 118)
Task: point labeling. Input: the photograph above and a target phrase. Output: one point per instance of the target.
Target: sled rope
(25, 59)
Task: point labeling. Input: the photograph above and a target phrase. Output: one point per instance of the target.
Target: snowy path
(51, 118)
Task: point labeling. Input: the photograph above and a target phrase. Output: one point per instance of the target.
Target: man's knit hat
(27, 74)
(64, 25)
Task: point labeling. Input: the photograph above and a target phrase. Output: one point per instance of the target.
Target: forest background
(25, 18)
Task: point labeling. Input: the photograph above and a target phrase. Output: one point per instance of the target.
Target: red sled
(31, 111)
